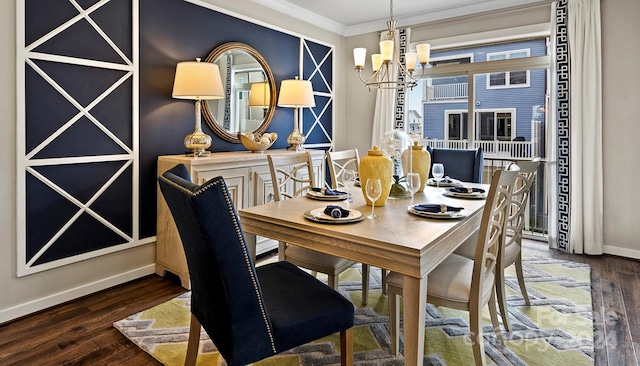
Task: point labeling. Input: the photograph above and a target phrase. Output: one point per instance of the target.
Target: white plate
(434, 183)
(318, 215)
(475, 195)
(323, 197)
(439, 215)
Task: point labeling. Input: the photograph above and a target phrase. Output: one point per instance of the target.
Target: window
(508, 79)
(495, 125)
(457, 126)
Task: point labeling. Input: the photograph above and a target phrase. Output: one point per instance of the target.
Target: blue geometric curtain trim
(563, 179)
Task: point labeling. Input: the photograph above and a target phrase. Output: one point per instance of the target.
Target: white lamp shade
(359, 56)
(260, 95)
(410, 59)
(296, 93)
(376, 61)
(423, 53)
(197, 80)
(386, 50)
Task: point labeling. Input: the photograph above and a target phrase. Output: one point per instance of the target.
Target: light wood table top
(396, 240)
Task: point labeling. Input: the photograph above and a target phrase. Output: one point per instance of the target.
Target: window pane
(518, 77)
(486, 126)
(497, 79)
(504, 126)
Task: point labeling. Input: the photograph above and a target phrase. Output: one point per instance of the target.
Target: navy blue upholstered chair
(462, 164)
(250, 313)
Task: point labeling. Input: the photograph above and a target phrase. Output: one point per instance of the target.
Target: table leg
(414, 300)
(251, 241)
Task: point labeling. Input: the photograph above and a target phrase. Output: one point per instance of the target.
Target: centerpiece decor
(417, 160)
(376, 165)
(394, 143)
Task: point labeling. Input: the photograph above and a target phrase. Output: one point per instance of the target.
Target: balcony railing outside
(447, 91)
(498, 155)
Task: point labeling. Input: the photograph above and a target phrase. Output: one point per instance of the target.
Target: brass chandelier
(382, 63)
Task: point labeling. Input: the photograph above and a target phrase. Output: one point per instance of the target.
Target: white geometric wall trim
(316, 65)
(77, 184)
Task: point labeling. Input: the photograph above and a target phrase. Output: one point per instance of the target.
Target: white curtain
(584, 227)
(586, 126)
(383, 117)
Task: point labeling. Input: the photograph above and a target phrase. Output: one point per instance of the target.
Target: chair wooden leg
(384, 280)
(194, 342)
(332, 281)
(494, 318)
(346, 347)
(365, 284)
(394, 323)
(520, 275)
(475, 324)
(502, 299)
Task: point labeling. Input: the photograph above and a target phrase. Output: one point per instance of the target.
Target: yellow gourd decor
(421, 163)
(376, 165)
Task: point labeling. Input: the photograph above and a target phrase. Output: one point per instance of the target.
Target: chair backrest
(462, 164)
(492, 225)
(291, 174)
(515, 222)
(225, 293)
(339, 161)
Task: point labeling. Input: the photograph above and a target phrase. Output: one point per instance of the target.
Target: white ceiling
(352, 17)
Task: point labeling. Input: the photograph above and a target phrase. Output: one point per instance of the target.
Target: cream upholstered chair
(511, 241)
(462, 283)
(339, 161)
(292, 175)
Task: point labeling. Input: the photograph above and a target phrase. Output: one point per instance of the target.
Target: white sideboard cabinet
(249, 181)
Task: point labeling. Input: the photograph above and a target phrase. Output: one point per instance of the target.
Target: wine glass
(413, 183)
(438, 172)
(373, 189)
(349, 180)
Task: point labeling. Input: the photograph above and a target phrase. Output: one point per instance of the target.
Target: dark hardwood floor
(81, 332)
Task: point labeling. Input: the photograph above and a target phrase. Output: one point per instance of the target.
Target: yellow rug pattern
(557, 329)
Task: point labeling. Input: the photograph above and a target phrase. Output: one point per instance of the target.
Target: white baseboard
(622, 252)
(74, 293)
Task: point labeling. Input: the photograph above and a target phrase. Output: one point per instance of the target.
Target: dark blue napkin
(460, 189)
(329, 191)
(436, 208)
(446, 181)
(336, 211)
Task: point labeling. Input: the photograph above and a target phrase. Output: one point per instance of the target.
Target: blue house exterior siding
(520, 99)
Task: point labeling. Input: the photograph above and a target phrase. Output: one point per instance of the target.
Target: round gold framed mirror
(250, 92)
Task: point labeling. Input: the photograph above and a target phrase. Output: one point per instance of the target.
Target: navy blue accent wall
(172, 31)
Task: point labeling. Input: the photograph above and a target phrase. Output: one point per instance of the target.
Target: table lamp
(197, 81)
(296, 93)
(260, 95)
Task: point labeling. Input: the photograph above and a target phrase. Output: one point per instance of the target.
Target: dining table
(396, 240)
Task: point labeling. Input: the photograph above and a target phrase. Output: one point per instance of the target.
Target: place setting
(437, 211)
(334, 214)
(327, 194)
(466, 192)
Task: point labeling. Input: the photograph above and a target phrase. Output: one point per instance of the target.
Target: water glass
(373, 189)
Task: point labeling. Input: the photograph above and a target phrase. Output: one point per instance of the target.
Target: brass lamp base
(295, 140)
(198, 142)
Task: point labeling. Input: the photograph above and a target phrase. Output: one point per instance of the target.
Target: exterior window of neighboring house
(495, 125)
(508, 79)
(457, 127)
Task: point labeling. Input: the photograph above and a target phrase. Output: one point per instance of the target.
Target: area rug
(557, 329)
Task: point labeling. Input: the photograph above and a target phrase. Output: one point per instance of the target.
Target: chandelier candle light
(381, 63)
(197, 81)
(295, 94)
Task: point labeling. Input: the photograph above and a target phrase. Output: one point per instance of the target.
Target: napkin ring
(336, 213)
(443, 208)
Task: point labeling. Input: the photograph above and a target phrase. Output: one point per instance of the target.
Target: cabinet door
(262, 188)
(236, 179)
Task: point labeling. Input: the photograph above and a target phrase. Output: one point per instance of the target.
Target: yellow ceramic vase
(376, 165)
(421, 162)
